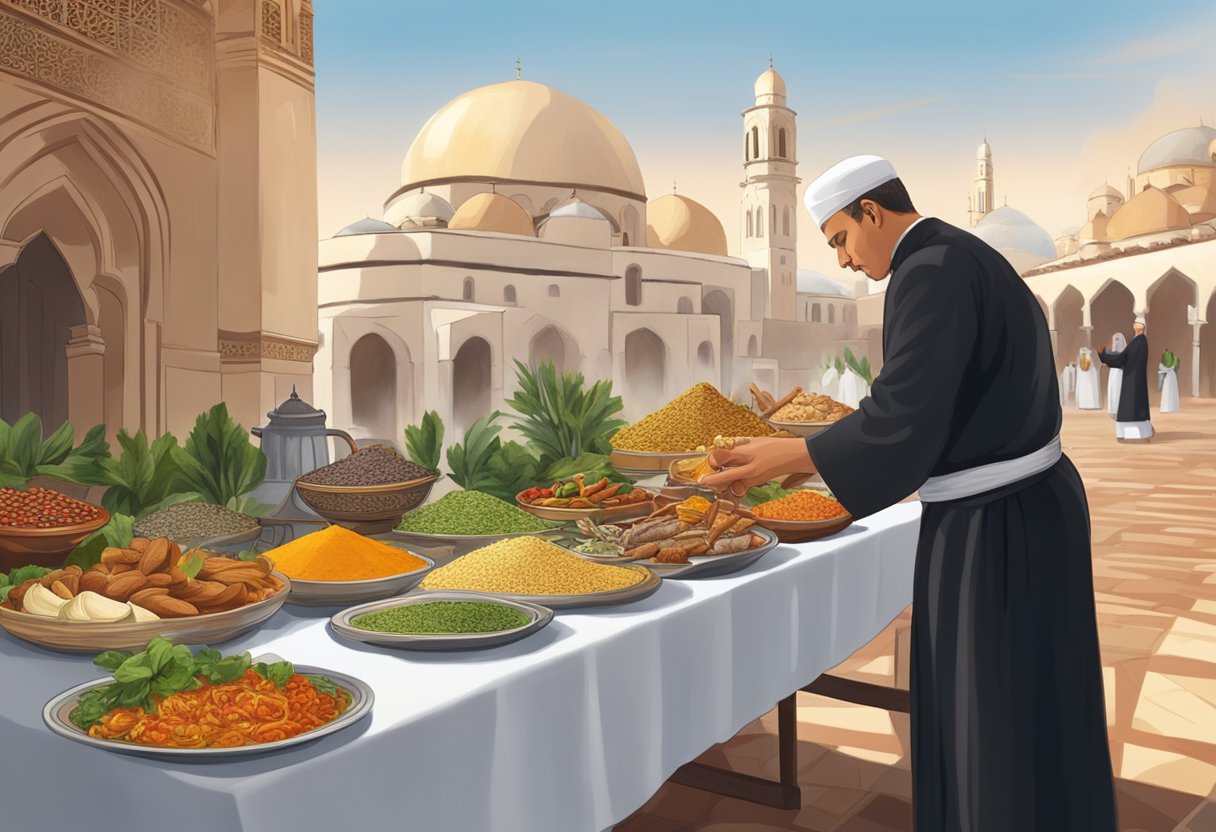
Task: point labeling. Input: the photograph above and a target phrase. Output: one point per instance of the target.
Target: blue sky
(1058, 87)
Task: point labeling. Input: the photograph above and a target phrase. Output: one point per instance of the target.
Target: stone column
(1195, 358)
(86, 351)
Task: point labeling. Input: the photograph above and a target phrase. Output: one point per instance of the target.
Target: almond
(231, 598)
(175, 554)
(120, 588)
(138, 598)
(120, 568)
(155, 557)
(139, 544)
(177, 577)
(160, 579)
(61, 589)
(113, 555)
(93, 582)
(168, 607)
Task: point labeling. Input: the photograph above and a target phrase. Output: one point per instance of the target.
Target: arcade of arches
(1178, 307)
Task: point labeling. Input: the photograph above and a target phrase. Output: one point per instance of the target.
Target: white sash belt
(994, 475)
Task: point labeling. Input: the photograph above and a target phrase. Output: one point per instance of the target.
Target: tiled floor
(1153, 514)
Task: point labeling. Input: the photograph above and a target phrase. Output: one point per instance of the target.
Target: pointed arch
(781, 143)
(755, 142)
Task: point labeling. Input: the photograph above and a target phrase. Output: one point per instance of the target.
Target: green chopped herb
(470, 513)
(443, 617)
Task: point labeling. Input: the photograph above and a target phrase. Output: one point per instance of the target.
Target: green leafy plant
(19, 576)
(1169, 360)
(424, 442)
(25, 455)
(560, 418)
(118, 532)
(248, 505)
(219, 462)
(145, 477)
(512, 469)
(469, 460)
(862, 367)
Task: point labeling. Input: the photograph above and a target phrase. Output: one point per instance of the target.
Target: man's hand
(757, 462)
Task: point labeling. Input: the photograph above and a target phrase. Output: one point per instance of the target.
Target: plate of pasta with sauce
(168, 702)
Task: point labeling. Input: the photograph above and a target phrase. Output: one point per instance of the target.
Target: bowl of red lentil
(40, 526)
(802, 516)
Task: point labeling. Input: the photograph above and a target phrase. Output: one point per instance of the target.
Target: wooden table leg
(779, 795)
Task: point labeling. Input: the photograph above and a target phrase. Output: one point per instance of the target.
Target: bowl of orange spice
(339, 566)
(802, 516)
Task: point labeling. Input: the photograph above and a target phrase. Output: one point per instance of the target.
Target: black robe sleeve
(1133, 394)
(880, 454)
(1113, 359)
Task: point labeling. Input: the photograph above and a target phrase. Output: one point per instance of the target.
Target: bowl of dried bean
(41, 527)
(373, 486)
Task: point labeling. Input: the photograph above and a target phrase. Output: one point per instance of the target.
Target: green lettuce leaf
(218, 461)
(424, 442)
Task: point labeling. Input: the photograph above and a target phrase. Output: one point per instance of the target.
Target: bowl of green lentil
(200, 524)
(446, 620)
(466, 520)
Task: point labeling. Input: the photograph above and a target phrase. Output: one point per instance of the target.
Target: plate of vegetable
(167, 702)
(575, 498)
(441, 620)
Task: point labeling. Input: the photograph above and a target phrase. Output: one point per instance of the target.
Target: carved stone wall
(149, 60)
(287, 27)
(250, 347)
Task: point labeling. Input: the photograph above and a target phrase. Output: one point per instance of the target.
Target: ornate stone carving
(162, 103)
(306, 36)
(251, 347)
(272, 20)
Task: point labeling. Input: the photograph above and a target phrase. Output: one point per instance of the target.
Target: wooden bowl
(95, 636)
(638, 463)
(44, 547)
(800, 428)
(803, 531)
(366, 506)
(611, 514)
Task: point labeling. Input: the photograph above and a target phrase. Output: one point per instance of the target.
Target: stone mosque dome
(526, 132)
(579, 209)
(677, 222)
(1198, 200)
(1008, 229)
(1182, 148)
(1151, 211)
(984, 151)
(1106, 190)
(420, 208)
(770, 83)
(492, 212)
(366, 226)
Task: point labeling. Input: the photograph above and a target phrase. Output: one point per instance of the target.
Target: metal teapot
(294, 440)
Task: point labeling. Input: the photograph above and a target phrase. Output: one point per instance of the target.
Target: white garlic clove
(39, 600)
(100, 608)
(74, 610)
(141, 615)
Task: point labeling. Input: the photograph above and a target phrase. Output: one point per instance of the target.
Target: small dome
(1105, 191)
(522, 131)
(770, 84)
(492, 212)
(366, 226)
(815, 283)
(1199, 201)
(1009, 229)
(411, 208)
(984, 151)
(577, 208)
(1185, 147)
(677, 222)
(1151, 211)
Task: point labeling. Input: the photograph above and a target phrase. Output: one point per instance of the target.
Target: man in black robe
(1008, 712)
(1132, 423)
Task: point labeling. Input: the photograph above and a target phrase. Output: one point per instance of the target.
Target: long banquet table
(571, 729)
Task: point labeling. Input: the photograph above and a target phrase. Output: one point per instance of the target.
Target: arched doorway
(1167, 327)
(373, 387)
(471, 383)
(1068, 319)
(1207, 350)
(717, 303)
(753, 347)
(705, 360)
(548, 346)
(645, 369)
(39, 304)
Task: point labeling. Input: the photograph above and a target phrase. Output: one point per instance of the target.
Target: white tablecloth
(571, 729)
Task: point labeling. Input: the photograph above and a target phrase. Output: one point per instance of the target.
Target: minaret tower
(769, 206)
(982, 191)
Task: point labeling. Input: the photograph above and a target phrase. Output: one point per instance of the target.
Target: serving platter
(96, 636)
(636, 462)
(701, 566)
(460, 544)
(316, 593)
(609, 514)
(55, 715)
(538, 615)
(608, 598)
(800, 428)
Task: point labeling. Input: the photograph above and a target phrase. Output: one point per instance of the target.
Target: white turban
(843, 183)
(1139, 320)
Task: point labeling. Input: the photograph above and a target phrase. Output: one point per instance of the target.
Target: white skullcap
(844, 182)
(1140, 320)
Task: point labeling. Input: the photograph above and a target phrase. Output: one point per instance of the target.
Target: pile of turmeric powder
(338, 554)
